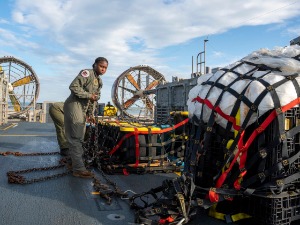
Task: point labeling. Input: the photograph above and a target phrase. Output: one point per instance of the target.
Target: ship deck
(65, 200)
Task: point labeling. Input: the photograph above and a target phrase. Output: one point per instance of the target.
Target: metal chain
(109, 189)
(16, 178)
(105, 190)
(28, 154)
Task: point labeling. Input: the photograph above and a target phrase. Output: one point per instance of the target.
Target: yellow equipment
(110, 110)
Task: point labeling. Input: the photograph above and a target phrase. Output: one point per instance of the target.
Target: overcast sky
(58, 38)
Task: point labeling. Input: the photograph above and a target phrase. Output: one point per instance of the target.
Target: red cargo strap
(125, 172)
(242, 149)
(213, 196)
(120, 143)
(219, 111)
(166, 220)
(146, 132)
(223, 176)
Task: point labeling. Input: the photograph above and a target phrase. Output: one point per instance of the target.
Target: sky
(58, 38)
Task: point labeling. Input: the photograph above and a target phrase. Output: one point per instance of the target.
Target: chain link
(109, 189)
(93, 155)
(16, 178)
(28, 154)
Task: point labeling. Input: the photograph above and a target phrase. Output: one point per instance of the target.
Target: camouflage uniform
(77, 106)
(56, 112)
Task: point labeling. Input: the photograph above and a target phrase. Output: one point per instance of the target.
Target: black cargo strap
(223, 195)
(281, 139)
(240, 98)
(254, 108)
(264, 152)
(261, 66)
(175, 204)
(276, 186)
(297, 57)
(194, 144)
(276, 167)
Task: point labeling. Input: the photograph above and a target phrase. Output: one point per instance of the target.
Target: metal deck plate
(67, 200)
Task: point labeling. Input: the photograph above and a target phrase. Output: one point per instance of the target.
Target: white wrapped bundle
(279, 58)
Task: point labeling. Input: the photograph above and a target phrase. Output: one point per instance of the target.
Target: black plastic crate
(275, 156)
(213, 160)
(283, 209)
(127, 152)
(290, 120)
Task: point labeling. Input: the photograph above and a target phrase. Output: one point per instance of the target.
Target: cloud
(115, 26)
(294, 30)
(8, 38)
(217, 54)
(130, 32)
(3, 21)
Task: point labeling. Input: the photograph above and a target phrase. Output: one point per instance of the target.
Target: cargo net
(244, 136)
(243, 143)
(125, 147)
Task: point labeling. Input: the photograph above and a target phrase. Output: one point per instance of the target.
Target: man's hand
(94, 97)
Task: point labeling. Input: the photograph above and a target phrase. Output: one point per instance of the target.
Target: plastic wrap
(279, 61)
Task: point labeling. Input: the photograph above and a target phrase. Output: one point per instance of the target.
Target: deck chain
(28, 154)
(15, 177)
(92, 155)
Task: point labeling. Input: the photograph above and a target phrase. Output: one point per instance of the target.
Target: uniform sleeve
(77, 86)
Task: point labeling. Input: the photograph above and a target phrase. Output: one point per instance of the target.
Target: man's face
(101, 67)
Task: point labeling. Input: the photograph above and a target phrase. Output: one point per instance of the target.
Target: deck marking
(10, 126)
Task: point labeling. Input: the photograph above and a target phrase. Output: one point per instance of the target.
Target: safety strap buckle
(285, 162)
(209, 129)
(278, 111)
(199, 201)
(279, 182)
(253, 107)
(283, 137)
(224, 141)
(263, 153)
(290, 77)
(157, 210)
(261, 175)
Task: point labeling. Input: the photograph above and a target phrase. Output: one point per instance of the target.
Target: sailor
(79, 107)
(56, 111)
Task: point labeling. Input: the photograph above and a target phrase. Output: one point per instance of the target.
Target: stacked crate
(172, 97)
(283, 207)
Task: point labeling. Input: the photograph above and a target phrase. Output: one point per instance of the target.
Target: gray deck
(67, 200)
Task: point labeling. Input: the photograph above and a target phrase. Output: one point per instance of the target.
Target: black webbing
(263, 154)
